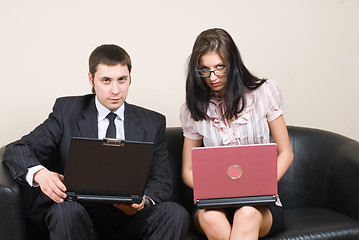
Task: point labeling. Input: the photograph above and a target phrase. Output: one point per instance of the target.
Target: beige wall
(311, 47)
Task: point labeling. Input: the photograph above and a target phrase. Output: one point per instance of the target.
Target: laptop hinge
(236, 202)
(71, 196)
(136, 199)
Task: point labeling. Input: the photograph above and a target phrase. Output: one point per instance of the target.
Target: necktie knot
(111, 130)
(111, 116)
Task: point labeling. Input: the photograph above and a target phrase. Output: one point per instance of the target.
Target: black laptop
(107, 171)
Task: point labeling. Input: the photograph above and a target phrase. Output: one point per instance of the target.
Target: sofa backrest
(303, 185)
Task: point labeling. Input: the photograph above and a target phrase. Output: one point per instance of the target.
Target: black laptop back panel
(101, 171)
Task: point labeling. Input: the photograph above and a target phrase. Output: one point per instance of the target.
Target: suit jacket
(49, 143)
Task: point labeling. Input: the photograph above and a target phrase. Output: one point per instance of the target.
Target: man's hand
(130, 209)
(51, 183)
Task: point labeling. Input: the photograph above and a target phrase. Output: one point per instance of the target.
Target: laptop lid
(107, 170)
(227, 176)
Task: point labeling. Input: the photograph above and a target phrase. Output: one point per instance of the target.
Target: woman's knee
(250, 219)
(213, 223)
(248, 213)
(210, 217)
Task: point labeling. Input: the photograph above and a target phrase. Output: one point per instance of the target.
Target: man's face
(111, 85)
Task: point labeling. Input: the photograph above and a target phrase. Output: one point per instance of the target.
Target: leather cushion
(317, 223)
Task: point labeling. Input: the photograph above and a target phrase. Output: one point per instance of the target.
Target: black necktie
(111, 130)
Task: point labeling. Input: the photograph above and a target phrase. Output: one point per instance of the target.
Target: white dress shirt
(103, 122)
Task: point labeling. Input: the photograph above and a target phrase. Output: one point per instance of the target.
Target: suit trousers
(72, 220)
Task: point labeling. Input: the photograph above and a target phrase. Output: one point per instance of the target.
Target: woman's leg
(251, 222)
(213, 223)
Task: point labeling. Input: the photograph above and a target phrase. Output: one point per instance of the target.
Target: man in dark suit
(39, 158)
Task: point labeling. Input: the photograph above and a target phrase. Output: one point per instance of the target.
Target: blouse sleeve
(275, 100)
(188, 124)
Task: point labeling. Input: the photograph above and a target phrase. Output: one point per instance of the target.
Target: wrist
(37, 175)
(147, 201)
(30, 175)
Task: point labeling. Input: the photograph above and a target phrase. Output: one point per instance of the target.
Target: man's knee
(66, 211)
(170, 216)
(175, 211)
(69, 220)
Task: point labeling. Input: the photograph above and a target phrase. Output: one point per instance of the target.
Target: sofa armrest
(342, 188)
(12, 219)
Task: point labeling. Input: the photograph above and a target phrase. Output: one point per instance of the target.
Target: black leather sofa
(319, 192)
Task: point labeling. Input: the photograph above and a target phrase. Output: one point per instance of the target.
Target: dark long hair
(238, 77)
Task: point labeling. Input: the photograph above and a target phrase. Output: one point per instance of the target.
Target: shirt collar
(103, 111)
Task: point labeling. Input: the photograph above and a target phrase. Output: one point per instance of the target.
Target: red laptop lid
(234, 171)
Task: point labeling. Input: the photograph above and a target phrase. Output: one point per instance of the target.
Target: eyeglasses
(218, 72)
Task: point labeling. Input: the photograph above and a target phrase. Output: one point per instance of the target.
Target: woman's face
(212, 68)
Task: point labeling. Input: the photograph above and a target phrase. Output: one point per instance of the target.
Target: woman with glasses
(227, 105)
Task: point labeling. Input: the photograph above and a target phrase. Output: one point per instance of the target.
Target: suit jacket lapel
(88, 126)
(133, 130)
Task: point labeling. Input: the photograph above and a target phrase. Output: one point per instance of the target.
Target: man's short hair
(110, 55)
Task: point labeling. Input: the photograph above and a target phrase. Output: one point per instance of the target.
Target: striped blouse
(263, 105)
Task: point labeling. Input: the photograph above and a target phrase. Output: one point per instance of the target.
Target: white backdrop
(311, 47)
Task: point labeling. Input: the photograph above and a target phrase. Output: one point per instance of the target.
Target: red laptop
(229, 176)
